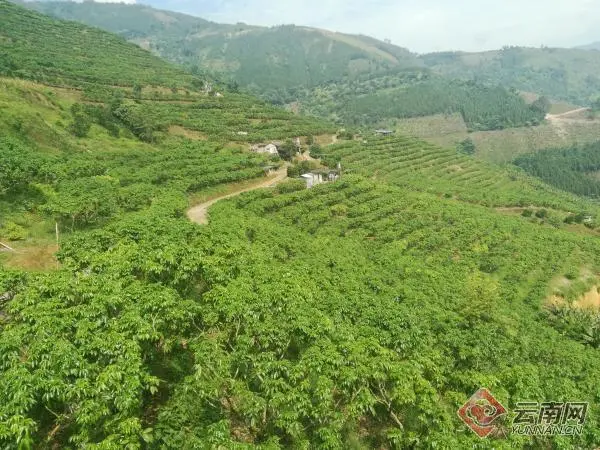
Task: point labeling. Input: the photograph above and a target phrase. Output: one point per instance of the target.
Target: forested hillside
(264, 58)
(573, 169)
(565, 74)
(284, 57)
(357, 314)
(382, 100)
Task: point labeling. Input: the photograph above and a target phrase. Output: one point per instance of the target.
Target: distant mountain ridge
(592, 46)
(271, 60)
(266, 57)
(563, 74)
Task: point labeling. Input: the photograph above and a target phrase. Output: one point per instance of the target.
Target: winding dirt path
(199, 213)
(559, 121)
(565, 114)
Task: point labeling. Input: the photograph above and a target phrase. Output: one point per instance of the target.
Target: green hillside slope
(142, 115)
(573, 169)
(274, 58)
(39, 48)
(358, 314)
(265, 57)
(565, 74)
(381, 100)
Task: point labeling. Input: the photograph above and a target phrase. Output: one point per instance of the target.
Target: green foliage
(84, 201)
(293, 171)
(93, 188)
(379, 100)
(287, 150)
(315, 151)
(74, 54)
(396, 340)
(221, 118)
(482, 107)
(19, 165)
(264, 58)
(105, 117)
(291, 186)
(571, 169)
(357, 314)
(12, 231)
(541, 105)
(301, 167)
(140, 119)
(80, 126)
(99, 331)
(557, 73)
(156, 332)
(274, 61)
(467, 147)
(422, 166)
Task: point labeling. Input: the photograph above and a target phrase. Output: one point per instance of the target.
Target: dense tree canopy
(380, 100)
(19, 165)
(572, 169)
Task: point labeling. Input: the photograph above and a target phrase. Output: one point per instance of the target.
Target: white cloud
(421, 25)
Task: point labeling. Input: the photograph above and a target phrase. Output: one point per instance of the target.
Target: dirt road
(199, 213)
(566, 114)
(560, 121)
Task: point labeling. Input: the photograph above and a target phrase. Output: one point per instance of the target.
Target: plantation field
(502, 146)
(76, 55)
(357, 314)
(570, 168)
(422, 166)
(129, 153)
(387, 304)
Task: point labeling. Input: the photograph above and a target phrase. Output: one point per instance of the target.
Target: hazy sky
(420, 25)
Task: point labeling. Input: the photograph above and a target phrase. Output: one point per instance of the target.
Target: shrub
(13, 232)
(339, 210)
(293, 171)
(81, 124)
(315, 151)
(467, 147)
(291, 186)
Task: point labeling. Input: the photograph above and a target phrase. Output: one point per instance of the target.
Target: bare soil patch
(187, 133)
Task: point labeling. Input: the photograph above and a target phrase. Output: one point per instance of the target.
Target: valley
(168, 280)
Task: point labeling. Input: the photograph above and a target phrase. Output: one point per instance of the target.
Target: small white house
(312, 179)
(270, 149)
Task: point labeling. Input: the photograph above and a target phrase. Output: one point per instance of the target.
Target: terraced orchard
(236, 118)
(359, 315)
(39, 48)
(418, 165)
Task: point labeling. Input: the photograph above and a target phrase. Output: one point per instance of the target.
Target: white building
(312, 179)
(271, 149)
